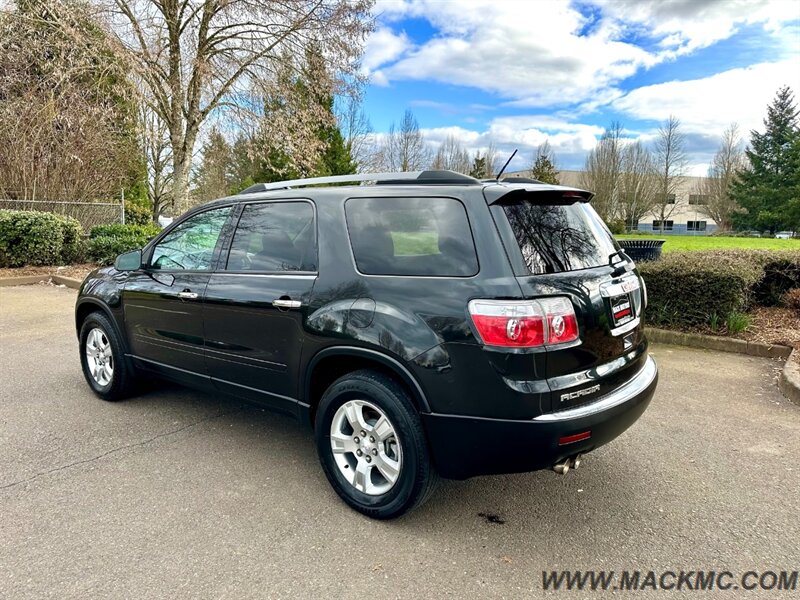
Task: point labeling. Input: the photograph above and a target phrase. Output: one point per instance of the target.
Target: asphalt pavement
(177, 494)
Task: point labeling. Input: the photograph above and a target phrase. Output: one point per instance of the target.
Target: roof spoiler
(538, 194)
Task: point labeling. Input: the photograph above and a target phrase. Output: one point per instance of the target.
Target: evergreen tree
(337, 158)
(479, 168)
(214, 177)
(769, 188)
(544, 168)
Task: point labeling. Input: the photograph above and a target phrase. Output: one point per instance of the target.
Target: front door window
(190, 246)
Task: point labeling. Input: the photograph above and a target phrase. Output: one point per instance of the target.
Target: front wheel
(372, 447)
(105, 367)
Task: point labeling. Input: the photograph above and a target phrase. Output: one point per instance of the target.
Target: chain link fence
(89, 214)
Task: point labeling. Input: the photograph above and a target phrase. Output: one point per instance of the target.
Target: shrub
(138, 214)
(38, 238)
(781, 274)
(738, 322)
(616, 226)
(106, 242)
(791, 299)
(710, 288)
(117, 229)
(698, 288)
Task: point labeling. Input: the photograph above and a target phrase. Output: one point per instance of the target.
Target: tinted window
(275, 236)
(191, 244)
(554, 239)
(411, 236)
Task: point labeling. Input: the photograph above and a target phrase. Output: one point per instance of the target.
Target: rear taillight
(526, 323)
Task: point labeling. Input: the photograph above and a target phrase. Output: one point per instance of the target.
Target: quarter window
(426, 237)
(274, 237)
(190, 246)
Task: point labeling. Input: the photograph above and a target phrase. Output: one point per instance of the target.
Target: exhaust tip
(562, 468)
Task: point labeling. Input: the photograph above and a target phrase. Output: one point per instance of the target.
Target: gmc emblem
(579, 393)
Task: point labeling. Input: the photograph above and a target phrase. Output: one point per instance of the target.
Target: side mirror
(130, 261)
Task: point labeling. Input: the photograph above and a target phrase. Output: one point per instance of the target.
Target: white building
(686, 217)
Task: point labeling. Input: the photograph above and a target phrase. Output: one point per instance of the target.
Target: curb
(721, 344)
(31, 279)
(789, 381)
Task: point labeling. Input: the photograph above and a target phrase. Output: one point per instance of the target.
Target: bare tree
(157, 158)
(404, 148)
(671, 161)
(715, 190)
(602, 172)
(452, 156)
(195, 58)
(357, 131)
(637, 184)
(492, 160)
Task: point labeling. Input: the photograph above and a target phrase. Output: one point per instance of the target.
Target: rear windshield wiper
(626, 265)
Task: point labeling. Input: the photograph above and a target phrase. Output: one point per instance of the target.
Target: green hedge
(138, 214)
(106, 242)
(117, 229)
(39, 238)
(705, 288)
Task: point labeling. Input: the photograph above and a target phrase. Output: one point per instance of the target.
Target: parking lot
(179, 494)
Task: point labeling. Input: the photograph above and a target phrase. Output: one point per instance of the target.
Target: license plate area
(621, 309)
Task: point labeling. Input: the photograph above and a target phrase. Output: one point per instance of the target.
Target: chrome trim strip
(636, 385)
(625, 285)
(627, 327)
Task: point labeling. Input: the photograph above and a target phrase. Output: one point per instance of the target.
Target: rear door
(256, 303)
(558, 246)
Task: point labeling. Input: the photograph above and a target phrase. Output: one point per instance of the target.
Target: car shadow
(601, 495)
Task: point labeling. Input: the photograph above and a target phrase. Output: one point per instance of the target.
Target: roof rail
(407, 178)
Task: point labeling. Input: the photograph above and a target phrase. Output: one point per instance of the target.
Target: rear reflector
(524, 323)
(571, 439)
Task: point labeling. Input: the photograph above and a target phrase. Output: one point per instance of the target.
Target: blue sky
(514, 73)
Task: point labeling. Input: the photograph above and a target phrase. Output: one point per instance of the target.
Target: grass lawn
(676, 243)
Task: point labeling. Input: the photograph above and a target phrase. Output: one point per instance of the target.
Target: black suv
(427, 325)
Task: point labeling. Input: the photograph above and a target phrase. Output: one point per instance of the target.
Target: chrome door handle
(187, 295)
(286, 303)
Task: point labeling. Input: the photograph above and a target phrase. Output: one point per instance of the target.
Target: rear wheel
(372, 447)
(105, 367)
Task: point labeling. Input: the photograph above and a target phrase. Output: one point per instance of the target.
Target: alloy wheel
(365, 447)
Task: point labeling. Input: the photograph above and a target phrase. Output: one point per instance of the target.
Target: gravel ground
(176, 494)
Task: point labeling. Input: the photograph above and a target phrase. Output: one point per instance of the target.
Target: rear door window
(274, 237)
(425, 237)
(558, 238)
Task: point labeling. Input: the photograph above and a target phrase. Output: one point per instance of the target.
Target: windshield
(557, 238)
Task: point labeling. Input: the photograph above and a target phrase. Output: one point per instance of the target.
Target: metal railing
(89, 214)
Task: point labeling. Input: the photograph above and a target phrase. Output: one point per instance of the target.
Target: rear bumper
(464, 447)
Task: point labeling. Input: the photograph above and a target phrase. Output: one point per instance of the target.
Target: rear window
(426, 237)
(554, 239)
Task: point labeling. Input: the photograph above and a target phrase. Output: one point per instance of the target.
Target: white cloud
(683, 26)
(546, 53)
(708, 105)
(570, 141)
(383, 46)
(532, 52)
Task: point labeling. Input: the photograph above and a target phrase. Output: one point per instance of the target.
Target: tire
(116, 382)
(374, 494)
